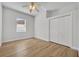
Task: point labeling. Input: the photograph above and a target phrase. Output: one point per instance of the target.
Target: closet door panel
(61, 30)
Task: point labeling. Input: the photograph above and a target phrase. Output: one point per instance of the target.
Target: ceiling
(43, 6)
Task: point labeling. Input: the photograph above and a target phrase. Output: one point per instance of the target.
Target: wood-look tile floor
(35, 48)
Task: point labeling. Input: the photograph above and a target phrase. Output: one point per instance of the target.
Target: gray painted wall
(9, 25)
(42, 26)
(0, 23)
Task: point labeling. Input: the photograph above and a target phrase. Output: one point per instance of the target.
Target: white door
(61, 30)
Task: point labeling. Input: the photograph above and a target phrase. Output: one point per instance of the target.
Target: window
(20, 24)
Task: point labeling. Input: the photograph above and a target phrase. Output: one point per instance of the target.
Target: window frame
(24, 24)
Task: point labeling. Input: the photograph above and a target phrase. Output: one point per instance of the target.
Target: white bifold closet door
(61, 29)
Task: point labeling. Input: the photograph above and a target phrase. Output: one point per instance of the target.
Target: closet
(61, 29)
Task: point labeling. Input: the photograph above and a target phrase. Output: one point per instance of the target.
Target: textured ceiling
(42, 6)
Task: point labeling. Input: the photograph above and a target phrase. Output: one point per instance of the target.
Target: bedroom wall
(0, 23)
(9, 25)
(42, 21)
(41, 26)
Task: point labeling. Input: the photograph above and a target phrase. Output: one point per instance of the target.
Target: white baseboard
(34, 37)
(48, 40)
(41, 38)
(75, 48)
(18, 39)
(0, 44)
